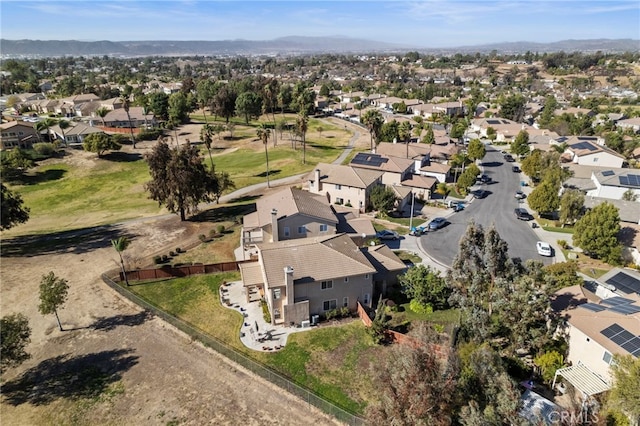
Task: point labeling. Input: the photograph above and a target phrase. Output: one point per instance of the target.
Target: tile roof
(383, 258)
(291, 201)
(313, 259)
(345, 175)
(416, 150)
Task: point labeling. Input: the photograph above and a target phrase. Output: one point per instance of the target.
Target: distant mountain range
(284, 46)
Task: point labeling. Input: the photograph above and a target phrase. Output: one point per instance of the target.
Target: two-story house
(344, 185)
(587, 153)
(17, 134)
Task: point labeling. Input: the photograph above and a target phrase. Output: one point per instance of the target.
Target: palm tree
(404, 132)
(64, 124)
(206, 134)
(303, 125)
(125, 105)
(373, 120)
(263, 133)
(120, 244)
(102, 113)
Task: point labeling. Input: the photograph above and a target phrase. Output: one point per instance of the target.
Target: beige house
(75, 134)
(394, 169)
(118, 118)
(388, 267)
(292, 213)
(306, 277)
(17, 134)
(587, 153)
(344, 185)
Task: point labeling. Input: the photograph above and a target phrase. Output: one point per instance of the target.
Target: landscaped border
(233, 355)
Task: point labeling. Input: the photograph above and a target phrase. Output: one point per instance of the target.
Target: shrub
(563, 244)
(179, 250)
(149, 134)
(202, 238)
(157, 260)
(265, 311)
(220, 229)
(172, 253)
(44, 148)
(419, 308)
(165, 258)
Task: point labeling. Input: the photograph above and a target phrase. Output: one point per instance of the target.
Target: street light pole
(413, 199)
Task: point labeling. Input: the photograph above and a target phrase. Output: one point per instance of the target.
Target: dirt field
(113, 364)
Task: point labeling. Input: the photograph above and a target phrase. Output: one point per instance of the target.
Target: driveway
(497, 208)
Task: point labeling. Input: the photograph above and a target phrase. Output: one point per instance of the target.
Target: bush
(149, 134)
(157, 260)
(179, 250)
(220, 229)
(172, 253)
(202, 238)
(419, 308)
(265, 311)
(563, 244)
(165, 258)
(44, 149)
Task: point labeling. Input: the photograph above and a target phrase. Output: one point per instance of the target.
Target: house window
(338, 187)
(345, 302)
(366, 299)
(276, 293)
(324, 227)
(339, 200)
(325, 285)
(287, 231)
(607, 357)
(595, 160)
(302, 230)
(346, 279)
(328, 305)
(366, 276)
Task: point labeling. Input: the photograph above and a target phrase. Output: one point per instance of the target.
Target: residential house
(394, 169)
(587, 153)
(17, 134)
(575, 111)
(506, 130)
(344, 185)
(607, 325)
(118, 118)
(388, 268)
(630, 123)
(289, 214)
(302, 278)
(452, 109)
(75, 134)
(614, 183)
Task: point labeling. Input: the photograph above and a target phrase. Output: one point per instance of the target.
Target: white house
(588, 153)
(614, 183)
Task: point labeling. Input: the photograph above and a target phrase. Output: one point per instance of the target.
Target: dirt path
(148, 372)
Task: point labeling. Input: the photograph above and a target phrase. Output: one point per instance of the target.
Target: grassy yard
(64, 196)
(333, 361)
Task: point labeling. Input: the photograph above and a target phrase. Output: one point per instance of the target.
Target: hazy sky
(426, 23)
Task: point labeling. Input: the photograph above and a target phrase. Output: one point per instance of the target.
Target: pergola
(583, 379)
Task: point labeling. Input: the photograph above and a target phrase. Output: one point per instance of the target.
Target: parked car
(544, 249)
(485, 178)
(458, 207)
(508, 158)
(479, 193)
(523, 214)
(515, 169)
(437, 223)
(520, 195)
(386, 234)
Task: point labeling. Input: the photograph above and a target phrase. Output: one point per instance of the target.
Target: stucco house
(588, 153)
(394, 169)
(17, 134)
(630, 123)
(614, 183)
(344, 185)
(311, 276)
(75, 134)
(118, 118)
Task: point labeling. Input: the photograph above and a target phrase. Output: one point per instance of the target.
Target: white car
(544, 249)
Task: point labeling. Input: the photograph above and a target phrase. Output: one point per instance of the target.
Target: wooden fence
(181, 271)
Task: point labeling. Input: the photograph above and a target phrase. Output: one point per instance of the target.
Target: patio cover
(583, 379)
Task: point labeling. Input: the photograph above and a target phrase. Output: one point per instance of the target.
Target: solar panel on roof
(634, 180)
(636, 353)
(593, 307)
(625, 309)
(623, 180)
(625, 283)
(493, 121)
(612, 330)
(608, 173)
(614, 301)
(622, 337)
(632, 345)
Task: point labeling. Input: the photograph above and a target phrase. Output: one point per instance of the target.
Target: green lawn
(333, 361)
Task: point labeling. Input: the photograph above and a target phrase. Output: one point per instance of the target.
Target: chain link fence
(230, 353)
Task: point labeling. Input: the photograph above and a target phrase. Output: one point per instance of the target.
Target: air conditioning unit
(305, 324)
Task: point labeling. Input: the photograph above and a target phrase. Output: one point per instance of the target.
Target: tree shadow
(271, 173)
(110, 323)
(492, 164)
(39, 177)
(122, 157)
(245, 198)
(82, 376)
(224, 213)
(325, 147)
(75, 241)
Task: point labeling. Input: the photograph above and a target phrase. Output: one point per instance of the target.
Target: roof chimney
(288, 280)
(274, 226)
(316, 183)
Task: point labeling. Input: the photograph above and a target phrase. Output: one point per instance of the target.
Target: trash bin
(315, 319)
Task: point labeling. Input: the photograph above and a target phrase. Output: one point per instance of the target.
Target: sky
(421, 23)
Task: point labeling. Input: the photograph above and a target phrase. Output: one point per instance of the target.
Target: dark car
(509, 158)
(437, 223)
(480, 193)
(523, 214)
(485, 178)
(515, 169)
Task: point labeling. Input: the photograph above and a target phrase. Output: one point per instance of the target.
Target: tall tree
(13, 210)
(249, 105)
(512, 107)
(597, 233)
(63, 125)
(571, 205)
(425, 286)
(224, 102)
(373, 120)
(544, 198)
(206, 134)
(15, 335)
(224, 183)
(429, 137)
(178, 108)
(476, 149)
(520, 145)
(99, 143)
(179, 180)
(382, 198)
(263, 133)
(126, 105)
(120, 244)
(53, 295)
(14, 163)
(302, 124)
